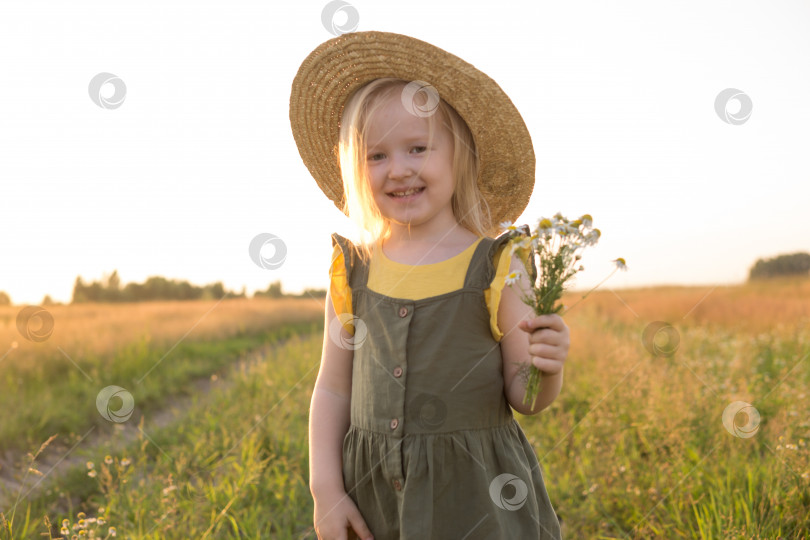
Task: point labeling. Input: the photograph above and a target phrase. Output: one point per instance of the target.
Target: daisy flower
(545, 225)
(512, 278)
(508, 226)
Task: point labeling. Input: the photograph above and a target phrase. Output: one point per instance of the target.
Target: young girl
(411, 431)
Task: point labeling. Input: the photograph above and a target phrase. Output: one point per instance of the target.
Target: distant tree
(313, 293)
(216, 290)
(111, 285)
(78, 291)
(48, 301)
(5, 300)
(273, 291)
(794, 264)
(154, 288)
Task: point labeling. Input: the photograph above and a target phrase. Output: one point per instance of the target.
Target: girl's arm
(329, 411)
(551, 344)
(334, 513)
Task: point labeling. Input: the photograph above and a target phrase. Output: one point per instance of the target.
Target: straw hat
(337, 68)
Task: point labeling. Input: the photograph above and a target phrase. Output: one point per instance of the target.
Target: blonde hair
(470, 208)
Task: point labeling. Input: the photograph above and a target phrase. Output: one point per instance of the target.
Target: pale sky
(619, 98)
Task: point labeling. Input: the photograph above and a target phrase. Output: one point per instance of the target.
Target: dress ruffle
(488, 464)
(339, 289)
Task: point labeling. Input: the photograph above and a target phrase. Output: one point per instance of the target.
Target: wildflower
(591, 238)
(520, 245)
(534, 240)
(556, 244)
(108, 459)
(589, 490)
(545, 225)
(512, 278)
(112, 531)
(562, 228)
(91, 474)
(90, 465)
(65, 523)
(508, 226)
(81, 515)
(65, 531)
(620, 264)
(125, 462)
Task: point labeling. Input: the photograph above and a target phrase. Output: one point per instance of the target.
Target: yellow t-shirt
(415, 282)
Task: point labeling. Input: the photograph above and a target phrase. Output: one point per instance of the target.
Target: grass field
(634, 447)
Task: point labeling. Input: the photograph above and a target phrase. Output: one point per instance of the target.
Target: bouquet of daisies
(557, 244)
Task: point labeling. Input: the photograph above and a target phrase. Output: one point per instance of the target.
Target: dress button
(397, 371)
(403, 311)
(394, 423)
(397, 485)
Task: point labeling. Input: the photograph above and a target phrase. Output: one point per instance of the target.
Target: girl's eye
(376, 157)
(419, 149)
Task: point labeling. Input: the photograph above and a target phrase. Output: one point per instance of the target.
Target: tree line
(793, 264)
(109, 289)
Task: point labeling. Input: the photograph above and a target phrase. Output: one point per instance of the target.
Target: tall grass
(152, 349)
(235, 467)
(634, 446)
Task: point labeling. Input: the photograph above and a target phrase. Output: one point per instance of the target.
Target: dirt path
(59, 456)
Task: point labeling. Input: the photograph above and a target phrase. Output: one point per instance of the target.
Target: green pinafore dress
(433, 450)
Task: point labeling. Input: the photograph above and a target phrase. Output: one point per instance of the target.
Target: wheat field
(635, 446)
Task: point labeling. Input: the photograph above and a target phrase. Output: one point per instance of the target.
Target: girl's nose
(399, 167)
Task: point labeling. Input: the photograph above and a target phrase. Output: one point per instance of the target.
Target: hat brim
(340, 66)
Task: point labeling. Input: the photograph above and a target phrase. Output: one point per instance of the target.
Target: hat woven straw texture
(340, 66)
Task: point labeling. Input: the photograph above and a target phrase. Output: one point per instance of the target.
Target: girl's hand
(548, 342)
(337, 518)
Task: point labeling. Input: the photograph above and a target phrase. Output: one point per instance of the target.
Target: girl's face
(401, 157)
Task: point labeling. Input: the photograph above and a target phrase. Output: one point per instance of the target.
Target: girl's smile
(409, 195)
